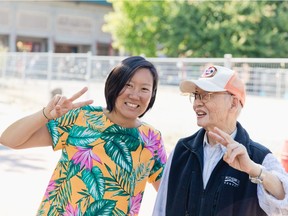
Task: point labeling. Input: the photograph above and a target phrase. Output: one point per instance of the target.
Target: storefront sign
(74, 25)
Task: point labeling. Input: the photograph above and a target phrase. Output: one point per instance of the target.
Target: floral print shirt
(104, 167)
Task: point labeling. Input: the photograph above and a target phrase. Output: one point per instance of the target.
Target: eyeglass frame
(196, 95)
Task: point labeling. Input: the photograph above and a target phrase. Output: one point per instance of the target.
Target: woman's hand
(59, 105)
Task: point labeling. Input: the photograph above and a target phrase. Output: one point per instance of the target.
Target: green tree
(200, 28)
(135, 25)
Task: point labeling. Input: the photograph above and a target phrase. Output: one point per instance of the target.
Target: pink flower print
(135, 203)
(85, 157)
(70, 211)
(51, 187)
(151, 141)
(162, 153)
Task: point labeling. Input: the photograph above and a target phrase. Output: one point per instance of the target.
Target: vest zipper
(187, 199)
(202, 203)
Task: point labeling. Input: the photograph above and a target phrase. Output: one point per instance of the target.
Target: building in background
(60, 27)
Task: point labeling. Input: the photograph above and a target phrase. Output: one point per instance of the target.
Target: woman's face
(134, 98)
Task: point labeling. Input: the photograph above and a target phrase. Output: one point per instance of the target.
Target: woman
(108, 154)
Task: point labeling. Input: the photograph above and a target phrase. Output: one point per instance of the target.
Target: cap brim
(189, 86)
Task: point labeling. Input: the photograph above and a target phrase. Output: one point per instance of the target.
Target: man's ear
(235, 102)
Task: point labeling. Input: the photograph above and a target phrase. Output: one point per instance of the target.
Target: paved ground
(25, 173)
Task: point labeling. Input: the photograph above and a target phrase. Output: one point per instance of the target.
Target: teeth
(201, 113)
(131, 105)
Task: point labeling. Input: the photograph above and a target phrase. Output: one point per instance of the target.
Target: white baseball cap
(217, 79)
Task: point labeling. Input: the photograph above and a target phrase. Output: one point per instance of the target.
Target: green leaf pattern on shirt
(107, 181)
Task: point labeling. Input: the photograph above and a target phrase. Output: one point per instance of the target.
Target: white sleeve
(160, 203)
(267, 202)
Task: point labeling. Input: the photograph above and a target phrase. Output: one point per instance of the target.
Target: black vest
(228, 192)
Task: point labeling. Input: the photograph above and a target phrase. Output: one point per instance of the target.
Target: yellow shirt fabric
(104, 167)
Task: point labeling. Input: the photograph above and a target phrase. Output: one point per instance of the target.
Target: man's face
(212, 108)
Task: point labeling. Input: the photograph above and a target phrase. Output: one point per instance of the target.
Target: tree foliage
(187, 28)
(135, 25)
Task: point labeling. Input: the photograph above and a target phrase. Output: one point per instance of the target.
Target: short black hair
(122, 73)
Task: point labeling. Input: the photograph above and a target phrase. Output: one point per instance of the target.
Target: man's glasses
(204, 97)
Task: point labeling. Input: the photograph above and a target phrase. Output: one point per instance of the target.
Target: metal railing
(262, 76)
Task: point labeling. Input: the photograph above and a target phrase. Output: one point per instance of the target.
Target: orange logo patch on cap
(209, 72)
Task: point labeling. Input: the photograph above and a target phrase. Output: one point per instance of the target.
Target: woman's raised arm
(31, 131)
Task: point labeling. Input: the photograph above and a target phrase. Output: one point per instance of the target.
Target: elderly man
(219, 170)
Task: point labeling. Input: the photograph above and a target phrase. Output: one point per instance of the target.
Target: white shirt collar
(223, 148)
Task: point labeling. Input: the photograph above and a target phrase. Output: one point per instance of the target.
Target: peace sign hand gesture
(59, 105)
(236, 154)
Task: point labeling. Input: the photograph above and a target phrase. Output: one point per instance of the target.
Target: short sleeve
(59, 128)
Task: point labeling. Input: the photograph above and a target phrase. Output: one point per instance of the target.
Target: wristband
(45, 114)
